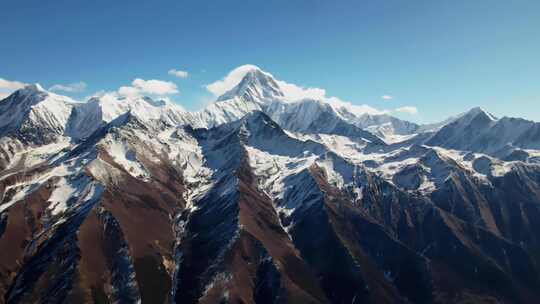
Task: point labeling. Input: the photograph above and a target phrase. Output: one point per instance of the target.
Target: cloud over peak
(407, 110)
(148, 87)
(228, 82)
(178, 73)
(291, 92)
(8, 86)
(70, 88)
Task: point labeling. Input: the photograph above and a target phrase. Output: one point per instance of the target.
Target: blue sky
(442, 57)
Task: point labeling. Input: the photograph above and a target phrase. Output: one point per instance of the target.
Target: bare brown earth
(23, 223)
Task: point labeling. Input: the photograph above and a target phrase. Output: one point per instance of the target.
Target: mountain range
(261, 199)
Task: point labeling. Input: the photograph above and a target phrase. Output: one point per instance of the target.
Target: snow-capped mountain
(35, 115)
(316, 117)
(256, 86)
(260, 199)
(479, 131)
(255, 92)
(98, 111)
(259, 91)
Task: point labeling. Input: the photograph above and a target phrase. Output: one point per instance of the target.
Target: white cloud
(153, 86)
(98, 94)
(234, 77)
(407, 110)
(387, 97)
(178, 73)
(71, 88)
(129, 91)
(148, 87)
(291, 92)
(9, 86)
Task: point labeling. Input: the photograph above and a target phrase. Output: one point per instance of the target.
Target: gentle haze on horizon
(438, 57)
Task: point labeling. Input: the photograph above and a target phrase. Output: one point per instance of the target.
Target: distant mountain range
(260, 199)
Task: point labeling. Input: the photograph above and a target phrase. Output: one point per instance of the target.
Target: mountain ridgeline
(260, 199)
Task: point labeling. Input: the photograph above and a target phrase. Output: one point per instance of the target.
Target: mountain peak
(256, 85)
(34, 115)
(34, 87)
(476, 111)
(31, 90)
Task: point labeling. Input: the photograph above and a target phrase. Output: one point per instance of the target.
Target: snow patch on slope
(71, 191)
(124, 155)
